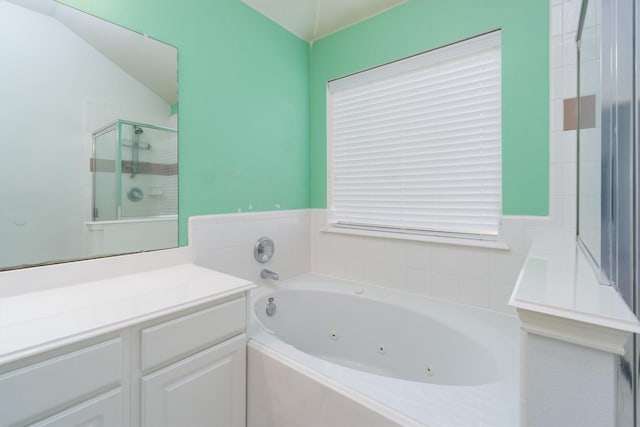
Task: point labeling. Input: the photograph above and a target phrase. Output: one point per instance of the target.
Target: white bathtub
(437, 363)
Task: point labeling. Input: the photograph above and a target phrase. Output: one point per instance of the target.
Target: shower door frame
(118, 171)
(102, 131)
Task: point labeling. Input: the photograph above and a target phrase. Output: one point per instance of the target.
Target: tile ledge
(557, 295)
(610, 340)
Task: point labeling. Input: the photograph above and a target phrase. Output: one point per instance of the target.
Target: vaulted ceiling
(313, 19)
(152, 63)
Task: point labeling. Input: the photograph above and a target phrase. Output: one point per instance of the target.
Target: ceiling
(152, 63)
(313, 19)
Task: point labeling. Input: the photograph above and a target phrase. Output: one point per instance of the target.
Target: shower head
(138, 130)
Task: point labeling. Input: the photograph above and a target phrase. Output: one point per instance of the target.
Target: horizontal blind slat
(420, 149)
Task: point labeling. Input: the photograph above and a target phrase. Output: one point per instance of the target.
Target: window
(415, 145)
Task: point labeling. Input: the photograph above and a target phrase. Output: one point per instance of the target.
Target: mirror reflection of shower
(135, 149)
(134, 170)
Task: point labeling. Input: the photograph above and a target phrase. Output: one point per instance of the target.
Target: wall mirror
(89, 137)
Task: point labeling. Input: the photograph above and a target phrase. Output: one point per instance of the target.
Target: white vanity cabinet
(207, 389)
(193, 369)
(185, 368)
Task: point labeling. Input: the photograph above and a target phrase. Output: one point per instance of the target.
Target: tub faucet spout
(268, 274)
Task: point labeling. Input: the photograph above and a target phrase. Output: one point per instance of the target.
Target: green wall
(420, 25)
(244, 102)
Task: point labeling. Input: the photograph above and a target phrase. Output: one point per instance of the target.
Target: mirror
(89, 137)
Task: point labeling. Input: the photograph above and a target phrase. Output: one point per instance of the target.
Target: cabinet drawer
(104, 410)
(177, 338)
(59, 382)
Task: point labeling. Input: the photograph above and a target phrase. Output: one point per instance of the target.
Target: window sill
(419, 238)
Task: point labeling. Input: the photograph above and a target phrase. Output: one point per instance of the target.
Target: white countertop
(558, 280)
(34, 322)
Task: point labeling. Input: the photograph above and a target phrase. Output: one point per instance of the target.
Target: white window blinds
(415, 145)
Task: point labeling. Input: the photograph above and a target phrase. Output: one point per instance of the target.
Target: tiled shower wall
(563, 151)
(474, 276)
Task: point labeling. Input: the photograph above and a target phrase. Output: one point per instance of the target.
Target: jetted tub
(437, 363)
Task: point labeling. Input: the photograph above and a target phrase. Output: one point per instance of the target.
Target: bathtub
(412, 360)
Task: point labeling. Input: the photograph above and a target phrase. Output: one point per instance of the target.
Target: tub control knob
(271, 309)
(263, 250)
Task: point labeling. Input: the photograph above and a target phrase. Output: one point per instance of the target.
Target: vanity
(161, 347)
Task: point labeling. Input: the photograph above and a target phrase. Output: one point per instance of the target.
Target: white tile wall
(548, 367)
(468, 275)
(225, 242)
(563, 63)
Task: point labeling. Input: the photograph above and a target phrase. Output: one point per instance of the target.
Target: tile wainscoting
(467, 275)
(225, 242)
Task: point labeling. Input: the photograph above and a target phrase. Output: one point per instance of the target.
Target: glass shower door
(105, 159)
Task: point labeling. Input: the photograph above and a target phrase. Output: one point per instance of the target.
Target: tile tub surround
(418, 333)
(473, 276)
(225, 243)
(270, 402)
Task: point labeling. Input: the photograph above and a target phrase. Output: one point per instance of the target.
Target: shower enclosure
(134, 168)
(135, 171)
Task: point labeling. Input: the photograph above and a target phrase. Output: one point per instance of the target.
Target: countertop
(39, 321)
(558, 280)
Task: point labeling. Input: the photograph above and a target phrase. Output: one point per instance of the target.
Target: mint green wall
(244, 102)
(419, 25)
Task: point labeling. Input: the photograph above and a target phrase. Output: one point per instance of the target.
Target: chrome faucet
(268, 274)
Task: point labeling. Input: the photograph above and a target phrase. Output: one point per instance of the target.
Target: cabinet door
(40, 389)
(102, 411)
(206, 389)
